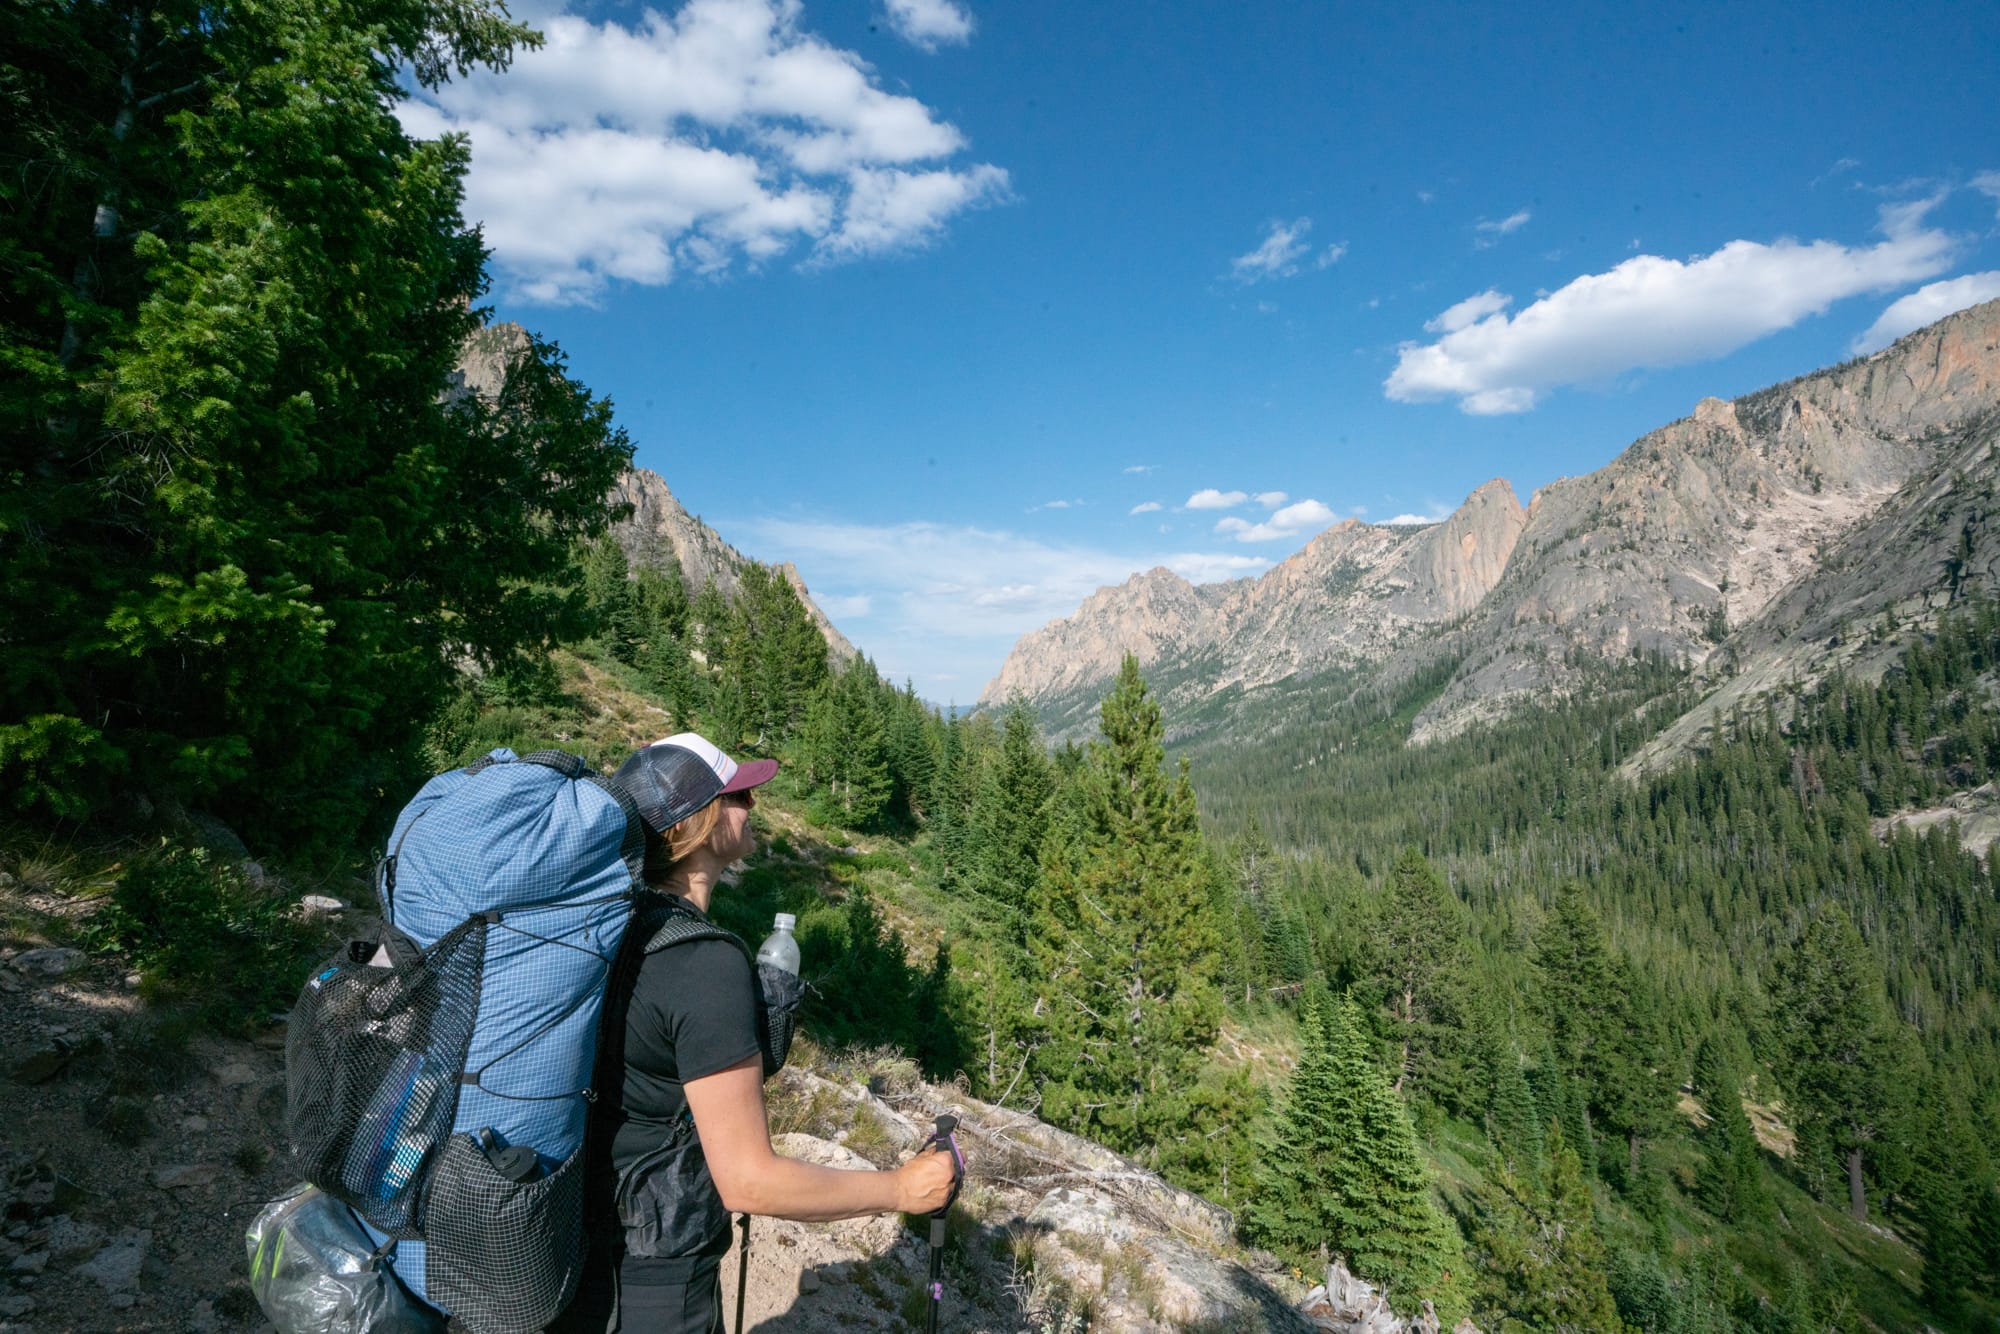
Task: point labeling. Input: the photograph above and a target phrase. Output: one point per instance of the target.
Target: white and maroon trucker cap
(678, 775)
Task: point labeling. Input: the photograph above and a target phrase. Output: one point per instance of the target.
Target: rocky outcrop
(658, 531)
(1351, 596)
(1719, 528)
(1079, 1223)
(1735, 542)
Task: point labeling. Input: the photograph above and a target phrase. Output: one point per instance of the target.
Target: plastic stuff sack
(315, 1271)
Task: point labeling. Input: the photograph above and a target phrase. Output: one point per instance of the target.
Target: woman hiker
(682, 1141)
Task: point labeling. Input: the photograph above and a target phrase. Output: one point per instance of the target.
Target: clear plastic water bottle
(781, 949)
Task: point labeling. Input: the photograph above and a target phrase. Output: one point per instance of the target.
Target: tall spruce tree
(1841, 1063)
(246, 537)
(1126, 940)
(1729, 1180)
(1417, 964)
(1007, 819)
(1345, 1171)
(1542, 1264)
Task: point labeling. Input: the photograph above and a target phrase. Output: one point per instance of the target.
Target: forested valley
(1551, 1043)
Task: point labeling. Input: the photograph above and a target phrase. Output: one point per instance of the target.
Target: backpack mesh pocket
(502, 1256)
(372, 1058)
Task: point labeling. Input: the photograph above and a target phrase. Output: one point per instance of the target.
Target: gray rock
(237, 1074)
(12, 1306)
(116, 1267)
(56, 962)
(120, 1301)
(32, 1262)
(7, 881)
(202, 1320)
(319, 905)
(808, 1282)
(219, 836)
(183, 1175)
(194, 1125)
(70, 1240)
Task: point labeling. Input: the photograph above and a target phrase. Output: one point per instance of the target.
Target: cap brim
(752, 773)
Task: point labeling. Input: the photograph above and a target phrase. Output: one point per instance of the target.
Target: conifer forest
(1555, 1040)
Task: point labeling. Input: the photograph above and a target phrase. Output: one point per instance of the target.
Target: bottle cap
(784, 922)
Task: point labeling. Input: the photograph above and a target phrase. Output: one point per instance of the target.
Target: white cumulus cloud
(1927, 304)
(1306, 516)
(1277, 256)
(1652, 312)
(1415, 518)
(930, 23)
(1145, 507)
(1208, 498)
(947, 601)
(713, 139)
(1270, 500)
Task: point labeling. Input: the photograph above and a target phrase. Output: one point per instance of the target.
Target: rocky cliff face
(1742, 535)
(1354, 593)
(1689, 541)
(659, 530)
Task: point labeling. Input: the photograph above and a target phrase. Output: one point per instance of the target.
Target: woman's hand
(924, 1183)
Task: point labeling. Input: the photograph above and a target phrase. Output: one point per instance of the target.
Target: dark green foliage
(1416, 970)
(1126, 941)
(1729, 1182)
(1006, 818)
(1542, 1265)
(843, 750)
(245, 537)
(1344, 1171)
(1842, 1061)
(1514, 1119)
(205, 940)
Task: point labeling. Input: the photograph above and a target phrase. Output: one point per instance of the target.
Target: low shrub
(204, 940)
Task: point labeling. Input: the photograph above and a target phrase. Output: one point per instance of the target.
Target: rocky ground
(133, 1153)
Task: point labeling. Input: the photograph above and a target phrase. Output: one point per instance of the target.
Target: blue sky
(936, 298)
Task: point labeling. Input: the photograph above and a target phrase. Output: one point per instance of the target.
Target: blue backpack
(439, 1074)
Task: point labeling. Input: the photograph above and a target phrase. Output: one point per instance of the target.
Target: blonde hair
(668, 848)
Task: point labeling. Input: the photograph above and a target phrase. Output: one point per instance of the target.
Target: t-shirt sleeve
(702, 998)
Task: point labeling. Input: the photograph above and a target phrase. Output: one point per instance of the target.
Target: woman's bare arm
(728, 1109)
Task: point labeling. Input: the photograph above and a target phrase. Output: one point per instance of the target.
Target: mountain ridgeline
(1734, 542)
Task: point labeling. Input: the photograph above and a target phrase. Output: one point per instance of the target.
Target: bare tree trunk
(1857, 1193)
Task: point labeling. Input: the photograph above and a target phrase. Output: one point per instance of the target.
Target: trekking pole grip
(941, 1140)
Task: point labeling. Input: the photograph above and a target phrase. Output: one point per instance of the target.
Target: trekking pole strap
(942, 1139)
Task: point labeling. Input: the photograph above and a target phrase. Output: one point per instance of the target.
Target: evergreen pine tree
(1417, 962)
(1007, 819)
(1345, 1171)
(1126, 940)
(1729, 1180)
(1513, 1120)
(249, 538)
(1840, 1061)
(1542, 1265)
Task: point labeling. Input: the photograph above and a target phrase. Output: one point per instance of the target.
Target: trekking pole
(742, 1268)
(942, 1141)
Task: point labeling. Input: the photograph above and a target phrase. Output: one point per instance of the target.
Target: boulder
(56, 962)
(116, 1267)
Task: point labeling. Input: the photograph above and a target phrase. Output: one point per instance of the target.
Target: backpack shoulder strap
(665, 921)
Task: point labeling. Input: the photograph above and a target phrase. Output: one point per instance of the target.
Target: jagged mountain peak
(1301, 615)
(659, 530)
(1707, 537)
